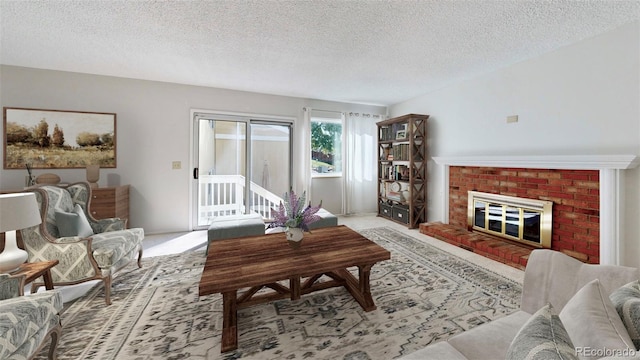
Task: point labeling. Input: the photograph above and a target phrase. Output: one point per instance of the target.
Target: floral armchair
(27, 321)
(86, 248)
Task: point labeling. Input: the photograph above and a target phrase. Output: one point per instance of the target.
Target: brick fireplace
(585, 191)
(574, 193)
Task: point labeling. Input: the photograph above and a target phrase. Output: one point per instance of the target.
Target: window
(326, 147)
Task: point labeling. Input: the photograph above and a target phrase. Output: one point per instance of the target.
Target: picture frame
(58, 139)
(402, 134)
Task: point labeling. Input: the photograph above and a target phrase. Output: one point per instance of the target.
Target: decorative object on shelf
(17, 211)
(406, 195)
(394, 191)
(48, 179)
(295, 217)
(395, 186)
(93, 175)
(30, 180)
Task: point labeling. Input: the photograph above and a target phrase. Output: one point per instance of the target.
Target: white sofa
(556, 279)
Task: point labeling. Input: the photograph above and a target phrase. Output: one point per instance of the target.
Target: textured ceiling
(373, 52)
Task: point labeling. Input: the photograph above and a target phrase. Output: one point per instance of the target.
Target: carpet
(423, 295)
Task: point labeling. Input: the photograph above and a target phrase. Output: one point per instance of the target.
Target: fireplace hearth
(587, 192)
(573, 193)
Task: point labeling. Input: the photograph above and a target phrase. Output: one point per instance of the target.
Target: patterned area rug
(423, 295)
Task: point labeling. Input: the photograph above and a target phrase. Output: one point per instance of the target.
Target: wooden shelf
(402, 184)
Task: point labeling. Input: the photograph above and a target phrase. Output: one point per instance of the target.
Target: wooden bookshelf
(402, 169)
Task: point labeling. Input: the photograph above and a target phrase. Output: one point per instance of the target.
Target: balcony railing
(223, 195)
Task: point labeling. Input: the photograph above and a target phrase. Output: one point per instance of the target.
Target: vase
(93, 175)
(294, 237)
(12, 256)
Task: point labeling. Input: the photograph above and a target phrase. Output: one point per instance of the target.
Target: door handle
(195, 173)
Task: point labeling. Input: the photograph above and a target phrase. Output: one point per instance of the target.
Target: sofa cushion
(554, 277)
(542, 337)
(109, 247)
(627, 303)
(490, 340)
(59, 199)
(73, 223)
(592, 321)
(438, 351)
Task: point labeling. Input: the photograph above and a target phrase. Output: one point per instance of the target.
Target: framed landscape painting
(57, 139)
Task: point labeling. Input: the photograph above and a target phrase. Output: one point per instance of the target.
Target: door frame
(247, 118)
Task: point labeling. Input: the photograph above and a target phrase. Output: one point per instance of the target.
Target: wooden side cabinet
(110, 202)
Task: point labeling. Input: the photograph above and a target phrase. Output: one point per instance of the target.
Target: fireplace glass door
(495, 217)
(531, 225)
(511, 218)
(479, 218)
(512, 221)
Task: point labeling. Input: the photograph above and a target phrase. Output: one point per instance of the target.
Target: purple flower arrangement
(293, 214)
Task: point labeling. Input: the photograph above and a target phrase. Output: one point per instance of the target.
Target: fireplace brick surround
(576, 210)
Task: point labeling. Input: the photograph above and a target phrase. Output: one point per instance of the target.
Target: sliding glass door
(220, 173)
(270, 163)
(241, 165)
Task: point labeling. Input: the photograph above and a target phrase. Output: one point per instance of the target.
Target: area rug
(423, 295)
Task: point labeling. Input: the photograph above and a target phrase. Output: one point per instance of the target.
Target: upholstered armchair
(86, 248)
(27, 321)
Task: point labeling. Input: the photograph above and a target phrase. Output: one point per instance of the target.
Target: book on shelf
(394, 132)
(386, 133)
(401, 152)
(394, 172)
(396, 196)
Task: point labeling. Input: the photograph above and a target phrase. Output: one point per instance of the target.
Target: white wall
(582, 99)
(153, 129)
(327, 185)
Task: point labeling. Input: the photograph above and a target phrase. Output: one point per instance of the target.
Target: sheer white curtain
(360, 172)
(302, 156)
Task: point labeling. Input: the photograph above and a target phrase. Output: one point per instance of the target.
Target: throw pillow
(593, 323)
(73, 224)
(627, 303)
(542, 337)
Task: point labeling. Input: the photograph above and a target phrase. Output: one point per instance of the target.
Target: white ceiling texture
(361, 51)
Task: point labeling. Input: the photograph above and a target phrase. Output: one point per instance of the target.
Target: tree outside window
(326, 146)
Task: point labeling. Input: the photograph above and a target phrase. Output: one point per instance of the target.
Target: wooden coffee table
(262, 261)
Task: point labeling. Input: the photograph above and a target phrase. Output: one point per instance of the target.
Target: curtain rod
(341, 112)
(366, 115)
(330, 111)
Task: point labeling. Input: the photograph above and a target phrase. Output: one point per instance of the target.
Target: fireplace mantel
(575, 162)
(611, 186)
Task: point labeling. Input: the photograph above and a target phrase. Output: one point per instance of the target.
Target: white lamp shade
(18, 211)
